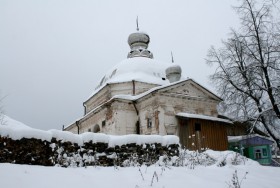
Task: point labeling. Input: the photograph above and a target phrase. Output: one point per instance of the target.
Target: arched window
(96, 128)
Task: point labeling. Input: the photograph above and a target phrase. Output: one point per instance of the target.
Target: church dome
(138, 43)
(173, 73)
(139, 69)
(139, 65)
(138, 39)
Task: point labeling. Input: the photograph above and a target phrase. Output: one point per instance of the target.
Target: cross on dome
(139, 42)
(137, 24)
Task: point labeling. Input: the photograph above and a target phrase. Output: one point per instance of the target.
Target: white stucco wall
(160, 107)
(110, 90)
(102, 96)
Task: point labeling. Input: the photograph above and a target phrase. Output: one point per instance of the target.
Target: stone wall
(33, 151)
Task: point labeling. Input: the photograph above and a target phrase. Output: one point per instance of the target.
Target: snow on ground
(24, 176)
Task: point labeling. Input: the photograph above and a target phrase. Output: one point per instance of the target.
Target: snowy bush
(228, 158)
(186, 158)
(133, 160)
(191, 159)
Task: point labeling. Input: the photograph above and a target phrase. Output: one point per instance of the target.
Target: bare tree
(247, 65)
(1, 113)
(2, 120)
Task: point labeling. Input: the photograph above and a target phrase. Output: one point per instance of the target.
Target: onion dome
(138, 39)
(139, 42)
(173, 73)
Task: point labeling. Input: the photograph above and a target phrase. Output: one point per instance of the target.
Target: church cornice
(183, 96)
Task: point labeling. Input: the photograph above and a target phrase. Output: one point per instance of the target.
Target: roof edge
(204, 117)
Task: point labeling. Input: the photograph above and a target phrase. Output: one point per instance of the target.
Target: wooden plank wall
(212, 135)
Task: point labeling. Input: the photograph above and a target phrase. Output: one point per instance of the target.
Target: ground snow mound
(7, 121)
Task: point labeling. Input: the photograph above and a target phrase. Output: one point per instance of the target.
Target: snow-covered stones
(65, 136)
(54, 147)
(67, 154)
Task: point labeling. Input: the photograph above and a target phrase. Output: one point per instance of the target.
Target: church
(143, 96)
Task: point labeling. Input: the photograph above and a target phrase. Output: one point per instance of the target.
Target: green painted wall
(263, 156)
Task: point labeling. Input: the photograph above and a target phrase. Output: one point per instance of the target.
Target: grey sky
(54, 52)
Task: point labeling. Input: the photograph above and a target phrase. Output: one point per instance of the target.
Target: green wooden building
(252, 146)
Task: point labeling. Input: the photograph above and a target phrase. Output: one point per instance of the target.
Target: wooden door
(183, 132)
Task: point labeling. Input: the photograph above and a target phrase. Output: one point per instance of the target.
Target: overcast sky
(53, 53)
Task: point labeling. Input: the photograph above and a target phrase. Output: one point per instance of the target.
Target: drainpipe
(134, 104)
(85, 109)
(133, 87)
(77, 124)
(138, 122)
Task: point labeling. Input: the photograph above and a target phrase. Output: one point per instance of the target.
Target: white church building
(143, 96)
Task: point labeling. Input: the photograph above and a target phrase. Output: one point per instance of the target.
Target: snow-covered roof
(236, 138)
(232, 139)
(139, 69)
(128, 98)
(199, 116)
(136, 97)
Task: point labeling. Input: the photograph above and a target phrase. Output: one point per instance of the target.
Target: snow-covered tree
(247, 65)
